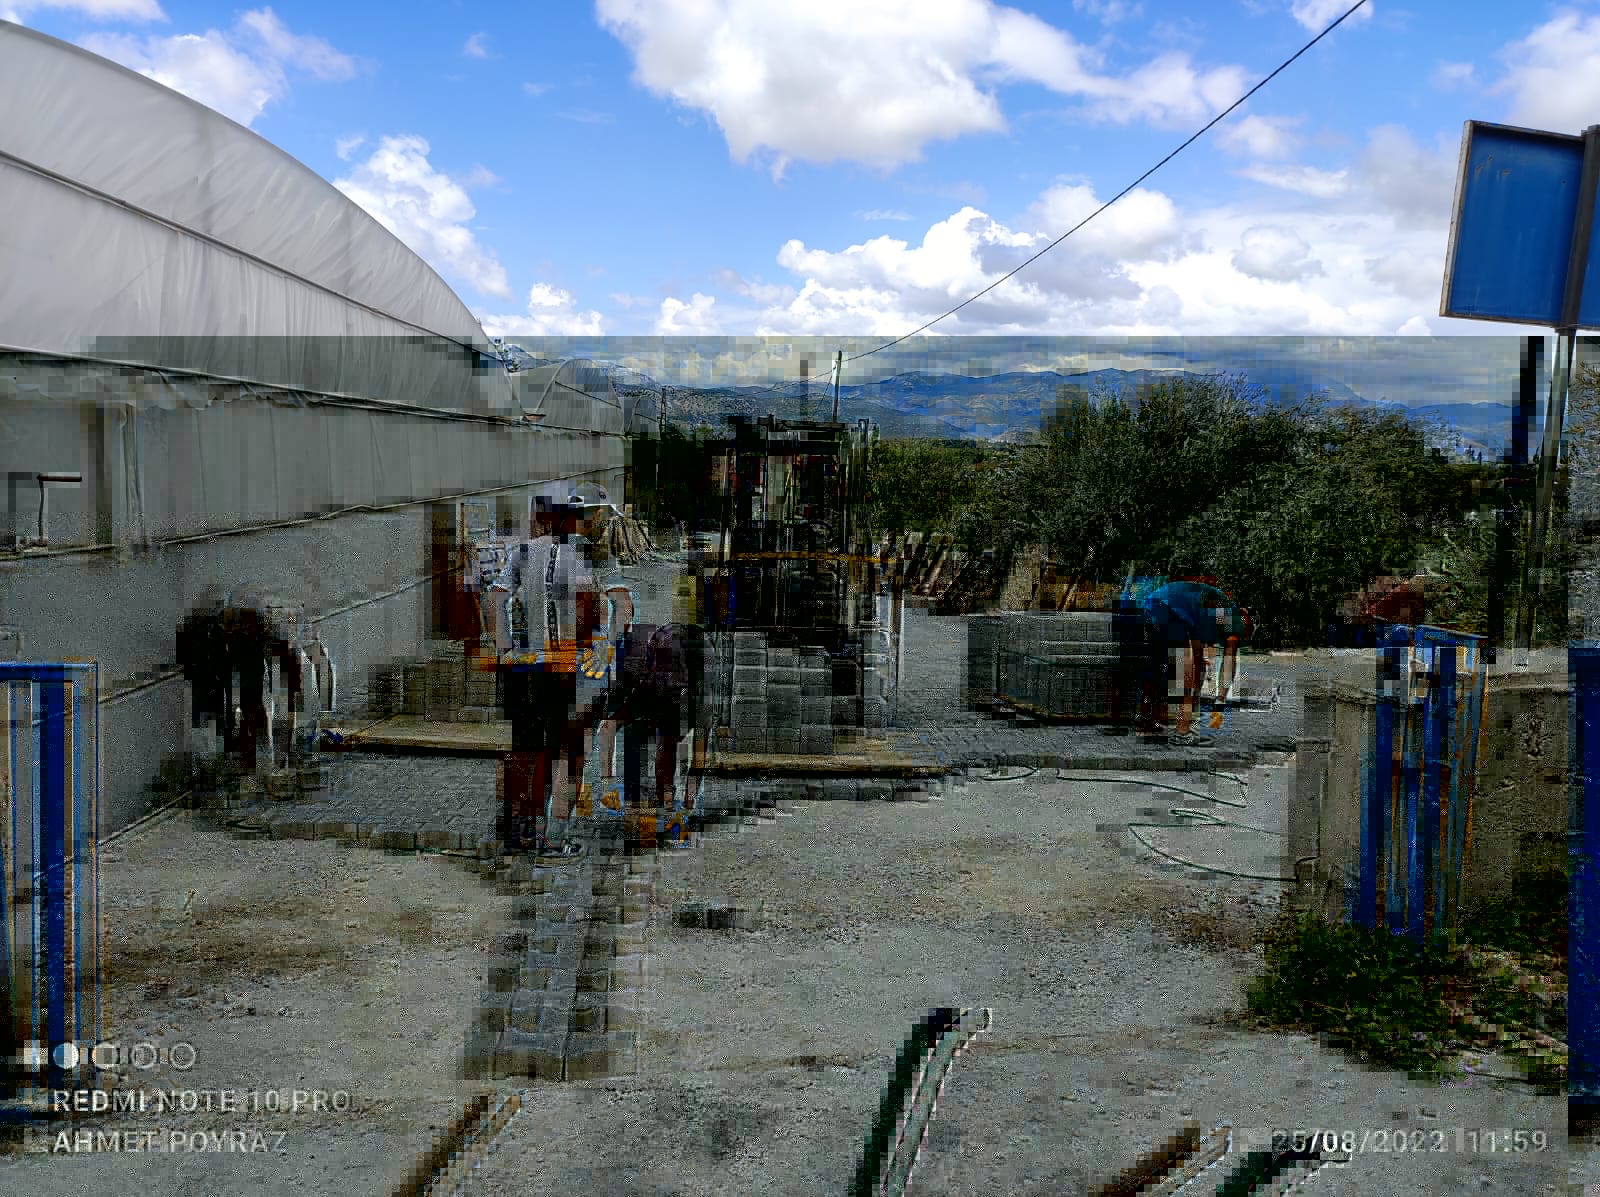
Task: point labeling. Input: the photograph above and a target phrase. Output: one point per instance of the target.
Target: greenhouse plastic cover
(141, 226)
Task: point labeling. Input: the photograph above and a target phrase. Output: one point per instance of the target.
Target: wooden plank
(818, 765)
(416, 733)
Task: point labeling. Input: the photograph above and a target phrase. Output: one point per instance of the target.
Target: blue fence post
(48, 848)
(1583, 905)
(1376, 831)
(1438, 741)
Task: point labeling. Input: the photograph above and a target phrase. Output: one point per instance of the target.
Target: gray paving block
(540, 1056)
(594, 980)
(588, 1012)
(816, 741)
(624, 1010)
(562, 981)
(596, 1054)
(478, 1054)
(504, 972)
(435, 840)
(494, 1010)
(533, 1011)
(394, 839)
(627, 971)
(631, 936)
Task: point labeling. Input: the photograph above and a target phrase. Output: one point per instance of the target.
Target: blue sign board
(1511, 233)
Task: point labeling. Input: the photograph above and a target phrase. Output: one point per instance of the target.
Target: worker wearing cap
(1190, 617)
(552, 575)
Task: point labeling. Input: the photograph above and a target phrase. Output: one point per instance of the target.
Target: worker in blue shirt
(1191, 617)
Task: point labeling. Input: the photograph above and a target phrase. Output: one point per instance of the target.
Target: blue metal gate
(1583, 853)
(1416, 816)
(49, 876)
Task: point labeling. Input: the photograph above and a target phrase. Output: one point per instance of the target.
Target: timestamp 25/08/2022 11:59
(1376, 1140)
(250, 1137)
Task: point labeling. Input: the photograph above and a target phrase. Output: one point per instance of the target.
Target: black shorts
(660, 712)
(542, 707)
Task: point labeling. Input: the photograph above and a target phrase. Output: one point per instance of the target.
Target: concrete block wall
(1520, 799)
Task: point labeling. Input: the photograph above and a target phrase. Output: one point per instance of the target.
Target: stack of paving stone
(567, 985)
(790, 700)
(446, 683)
(1071, 665)
(749, 692)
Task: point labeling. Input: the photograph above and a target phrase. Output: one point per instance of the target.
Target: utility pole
(838, 369)
(1560, 371)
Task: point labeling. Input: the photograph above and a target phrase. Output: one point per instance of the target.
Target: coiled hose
(1187, 817)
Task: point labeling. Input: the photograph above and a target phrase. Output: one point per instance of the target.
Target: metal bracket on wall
(12, 536)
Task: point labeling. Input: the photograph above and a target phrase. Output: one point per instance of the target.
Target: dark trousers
(542, 708)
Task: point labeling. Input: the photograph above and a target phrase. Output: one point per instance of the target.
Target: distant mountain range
(1008, 408)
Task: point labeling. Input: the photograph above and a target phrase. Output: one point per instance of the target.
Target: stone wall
(1519, 805)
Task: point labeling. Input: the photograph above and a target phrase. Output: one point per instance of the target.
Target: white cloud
(1415, 185)
(237, 73)
(345, 146)
(552, 312)
(1317, 15)
(476, 47)
(426, 209)
(1259, 136)
(1307, 180)
(310, 54)
(1109, 11)
(1553, 74)
(1454, 74)
(885, 214)
(1169, 92)
(1275, 253)
(876, 82)
(695, 318)
(94, 10)
(480, 177)
(536, 89)
(1364, 258)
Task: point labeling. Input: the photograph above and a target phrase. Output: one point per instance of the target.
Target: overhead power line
(1196, 137)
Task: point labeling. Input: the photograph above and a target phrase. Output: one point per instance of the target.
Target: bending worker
(1189, 617)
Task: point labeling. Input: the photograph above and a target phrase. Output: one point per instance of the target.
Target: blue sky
(722, 170)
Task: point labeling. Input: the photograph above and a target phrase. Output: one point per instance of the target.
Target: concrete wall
(241, 494)
(1519, 807)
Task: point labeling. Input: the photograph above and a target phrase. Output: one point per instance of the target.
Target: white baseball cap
(575, 496)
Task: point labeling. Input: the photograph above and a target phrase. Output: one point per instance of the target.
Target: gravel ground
(1112, 973)
(1112, 978)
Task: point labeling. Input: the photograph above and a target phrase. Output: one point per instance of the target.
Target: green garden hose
(1190, 817)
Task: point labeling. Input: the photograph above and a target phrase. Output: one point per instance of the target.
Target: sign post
(1522, 251)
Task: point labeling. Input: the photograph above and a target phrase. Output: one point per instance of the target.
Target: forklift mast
(794, 556)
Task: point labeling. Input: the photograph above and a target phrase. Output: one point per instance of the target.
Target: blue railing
(49, 880)
(1583, 851)
(1416, 809)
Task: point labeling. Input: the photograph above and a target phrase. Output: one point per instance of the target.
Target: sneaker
(672, 830)
(1189, 739)
(547, 853)
(608, 799)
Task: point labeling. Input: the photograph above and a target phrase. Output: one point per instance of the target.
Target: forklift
(802, 614)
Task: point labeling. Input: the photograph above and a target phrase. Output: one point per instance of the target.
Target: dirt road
(1111, 975)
